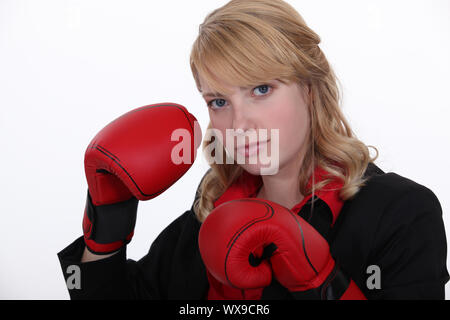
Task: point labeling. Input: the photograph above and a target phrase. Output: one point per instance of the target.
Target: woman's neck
(282, 188)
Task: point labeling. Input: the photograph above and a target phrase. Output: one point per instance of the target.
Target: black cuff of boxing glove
(109, 224)
(332, 288)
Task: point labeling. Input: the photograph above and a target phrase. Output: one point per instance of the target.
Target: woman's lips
(251, 149)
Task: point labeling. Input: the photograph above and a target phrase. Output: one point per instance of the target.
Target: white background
(67, 68)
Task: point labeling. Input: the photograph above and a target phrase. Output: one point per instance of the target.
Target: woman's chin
(259, 169)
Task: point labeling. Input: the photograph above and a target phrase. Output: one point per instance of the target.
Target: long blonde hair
(248, 42)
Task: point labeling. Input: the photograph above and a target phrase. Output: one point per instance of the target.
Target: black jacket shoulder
(395, 224)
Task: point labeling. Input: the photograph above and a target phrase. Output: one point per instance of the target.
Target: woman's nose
(242, 118)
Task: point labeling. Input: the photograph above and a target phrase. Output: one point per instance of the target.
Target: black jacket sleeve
(410, 248)
(108, 278)
(117, 277)
(114, 277)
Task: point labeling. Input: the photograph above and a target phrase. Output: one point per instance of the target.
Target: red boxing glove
(135, 157)
(242, 242)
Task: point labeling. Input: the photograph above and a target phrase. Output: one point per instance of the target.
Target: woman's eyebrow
(216, 94)
(212, 94)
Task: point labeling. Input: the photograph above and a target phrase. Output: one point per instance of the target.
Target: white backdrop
(68, 67)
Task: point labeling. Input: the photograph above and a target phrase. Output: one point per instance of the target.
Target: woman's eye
(261, 90)
(217, 103)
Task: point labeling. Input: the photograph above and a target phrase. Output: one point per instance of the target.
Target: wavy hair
(248, 42)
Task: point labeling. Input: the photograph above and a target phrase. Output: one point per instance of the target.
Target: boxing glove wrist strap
(333, 288)
(109, 227)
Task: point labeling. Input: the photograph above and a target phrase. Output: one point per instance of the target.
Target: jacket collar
(247, 186)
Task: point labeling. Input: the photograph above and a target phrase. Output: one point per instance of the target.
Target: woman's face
(279, 110)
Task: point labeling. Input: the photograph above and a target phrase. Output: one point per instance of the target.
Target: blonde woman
(278, 142)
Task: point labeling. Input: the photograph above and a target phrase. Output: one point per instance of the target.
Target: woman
(259, 66)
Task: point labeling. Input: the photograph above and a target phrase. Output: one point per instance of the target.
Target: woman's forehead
(207, 91)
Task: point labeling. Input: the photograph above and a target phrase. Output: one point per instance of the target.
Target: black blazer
(393, 223)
